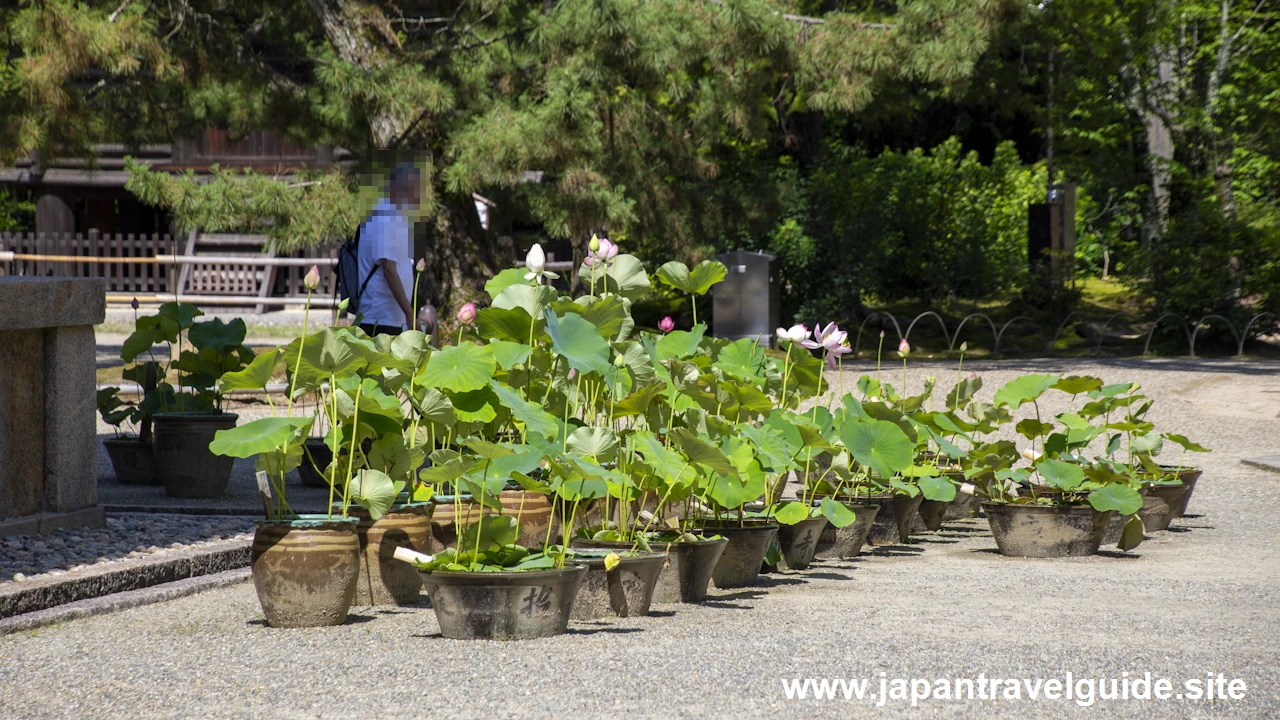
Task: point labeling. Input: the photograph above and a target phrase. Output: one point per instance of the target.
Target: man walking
(386, 256)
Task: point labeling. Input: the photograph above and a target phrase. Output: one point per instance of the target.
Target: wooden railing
(215, 269)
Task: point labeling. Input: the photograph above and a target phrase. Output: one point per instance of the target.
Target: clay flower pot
(847, 542)
(799, 542)
(186, 465)
(305, 570)
(892, 524)
(743, 556)
(503, 605)
(383, 579)
(1046, 531)
(624, 591)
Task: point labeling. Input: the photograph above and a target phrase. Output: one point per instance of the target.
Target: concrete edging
(122, 601)
(41, 594)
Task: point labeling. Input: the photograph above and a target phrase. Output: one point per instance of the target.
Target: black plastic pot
(503, 605)
(892, 524)
(799, 542)
(315, 461)
(740, 563)
(624, 591)
(186, 466)
(134, 461)
(847, 542)
(1046, 531)
(1160, 503)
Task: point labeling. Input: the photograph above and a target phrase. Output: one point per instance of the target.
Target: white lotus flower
(536, 262)
(968, 489)
(1031, 454)
(798, 334)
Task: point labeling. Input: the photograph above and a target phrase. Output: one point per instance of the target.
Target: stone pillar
(48, 379)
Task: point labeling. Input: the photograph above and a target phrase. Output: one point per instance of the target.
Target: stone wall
(48, 381)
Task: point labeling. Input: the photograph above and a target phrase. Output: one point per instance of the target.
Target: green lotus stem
(333, 466)
(903, 402)
(351, 457)
(786, 374)
(484, 477)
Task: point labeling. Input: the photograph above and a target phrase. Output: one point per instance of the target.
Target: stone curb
(122, 601)
(1269, 462)
(94, 582)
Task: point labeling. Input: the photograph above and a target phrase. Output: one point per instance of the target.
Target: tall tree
(630, 109)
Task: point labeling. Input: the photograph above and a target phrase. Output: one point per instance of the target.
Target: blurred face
(408, 195)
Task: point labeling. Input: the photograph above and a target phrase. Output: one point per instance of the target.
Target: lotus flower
(536, 262)
(834, 340)
(467, 313)
(422, 265)
(666, 324)
(904, 348)
(798, 334)
(311, 279)
(602, 254)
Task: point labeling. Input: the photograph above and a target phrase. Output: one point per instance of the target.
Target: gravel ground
(126, 536)
(1201, 598)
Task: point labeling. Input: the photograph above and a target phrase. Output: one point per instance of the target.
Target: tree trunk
(1159, 145)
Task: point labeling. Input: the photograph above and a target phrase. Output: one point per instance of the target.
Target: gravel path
(125, 537)
(1201, 598)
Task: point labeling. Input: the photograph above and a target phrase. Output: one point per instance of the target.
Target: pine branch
(807, 20)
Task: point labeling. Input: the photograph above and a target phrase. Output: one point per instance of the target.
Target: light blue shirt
(387, 234)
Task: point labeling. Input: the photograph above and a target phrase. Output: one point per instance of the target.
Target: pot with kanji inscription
(503, 605)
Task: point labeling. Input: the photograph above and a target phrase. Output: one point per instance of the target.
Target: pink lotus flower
(798, 334)
(312, 278)
(467, 313)
(602, 257)
(904, 348)
(834, 340)
(666, 324)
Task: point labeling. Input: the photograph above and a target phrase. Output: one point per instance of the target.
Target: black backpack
(350, 287)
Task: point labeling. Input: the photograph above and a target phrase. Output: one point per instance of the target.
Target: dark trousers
(371, 330)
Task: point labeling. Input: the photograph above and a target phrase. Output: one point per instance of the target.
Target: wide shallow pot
(503, 605)
(1189, 477)
(1160, 503)
(383, 579)
(134, 461)
(305, 570)
(315, 461)
(962, 507)
(799, 542)
(531, 509)
(1046, 531)
(847, 542)
(892, 524)
(186, 466)
(624, 591)
(739, 564)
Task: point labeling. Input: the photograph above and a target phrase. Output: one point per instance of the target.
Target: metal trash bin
(747, 304)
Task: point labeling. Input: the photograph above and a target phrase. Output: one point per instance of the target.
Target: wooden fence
(239, 266)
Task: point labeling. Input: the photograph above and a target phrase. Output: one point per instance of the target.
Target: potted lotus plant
(1061, 504)
(187, 417)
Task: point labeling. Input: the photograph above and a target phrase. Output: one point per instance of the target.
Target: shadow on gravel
(595, 630)
(724, 602)
(774, 581)
(660, 613)
(936, 540)
(1188, 528)
(827, 576)
(1118, 555)
(896, 551)
(963, 531)
(352, 619)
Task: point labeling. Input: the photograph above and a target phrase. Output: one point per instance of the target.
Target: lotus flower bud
(467, 313)
(881, 334)
(904, 347)
(594, 245)
(964, 346)
(134, 303)
(666, 324)
(311, 279)
(421, 265)
(620, 361)
(967, 489)
(535, 260)
(572, 373)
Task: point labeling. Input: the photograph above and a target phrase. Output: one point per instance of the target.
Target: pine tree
(632, 109)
